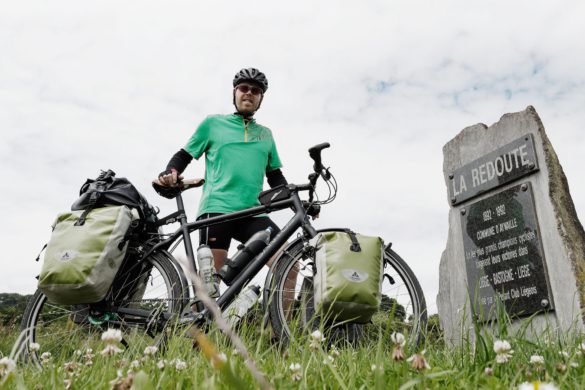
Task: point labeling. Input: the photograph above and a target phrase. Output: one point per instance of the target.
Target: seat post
(180, 205)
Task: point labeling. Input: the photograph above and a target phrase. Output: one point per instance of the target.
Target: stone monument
(515, 241)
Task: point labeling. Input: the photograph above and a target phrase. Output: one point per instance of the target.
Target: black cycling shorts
(219, 236)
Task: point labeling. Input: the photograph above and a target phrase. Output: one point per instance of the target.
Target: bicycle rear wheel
(292, 311)
(152, 287)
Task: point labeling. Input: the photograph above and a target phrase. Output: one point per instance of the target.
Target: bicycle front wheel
(292, 311)
(152, 288)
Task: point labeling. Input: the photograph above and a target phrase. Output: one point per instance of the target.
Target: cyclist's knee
(219, 256)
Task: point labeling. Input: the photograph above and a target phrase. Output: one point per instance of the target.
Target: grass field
(378, 362)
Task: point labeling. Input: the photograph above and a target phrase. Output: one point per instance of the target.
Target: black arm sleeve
(275, 178)
(179, 161)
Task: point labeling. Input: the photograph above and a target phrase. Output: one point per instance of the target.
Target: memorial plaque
(504, 165)
(503, 254)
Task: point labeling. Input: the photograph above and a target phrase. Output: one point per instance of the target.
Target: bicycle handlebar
(315, 153)
(318, 168)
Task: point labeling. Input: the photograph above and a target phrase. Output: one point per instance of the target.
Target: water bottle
(245, 253)
(241, 305)
(207, 270)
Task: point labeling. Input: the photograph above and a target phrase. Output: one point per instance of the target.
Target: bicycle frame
(300, 219)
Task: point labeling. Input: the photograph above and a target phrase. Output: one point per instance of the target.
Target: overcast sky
(86, 86)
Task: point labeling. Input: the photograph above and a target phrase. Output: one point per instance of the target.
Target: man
(238, 153)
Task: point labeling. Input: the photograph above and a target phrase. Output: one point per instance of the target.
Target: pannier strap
(39, 256)
(133, 226)
(355, 245)
(93, 198)
(81, 220)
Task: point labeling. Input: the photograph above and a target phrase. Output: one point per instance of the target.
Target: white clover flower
(398, 338)
(70, 366)
(180, 365)
(502, 346)
(537, 360)
(296, 371)
(316, 340)
(375, 367)
(161, 364)
(45, 357)
(317, 336)
(121, 382)
(134, 364)
(222, 357)
(112, 336)
(398, 353)
(488, 371)
(536, 385)
(564, 354)
(110, 350)
(328, 359)
(574, 364)
(88, 357)
(34, 347)
(582, 347)
(547, 386)
(150, 350)
(7, 365)
(418, 362)
(503, 351)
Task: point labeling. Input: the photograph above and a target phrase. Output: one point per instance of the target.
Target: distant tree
(434, 332)
(390, 304)
(12, 307)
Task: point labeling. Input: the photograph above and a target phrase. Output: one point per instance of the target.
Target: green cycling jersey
(238, 153)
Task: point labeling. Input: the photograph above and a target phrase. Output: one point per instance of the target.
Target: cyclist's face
(247, 97)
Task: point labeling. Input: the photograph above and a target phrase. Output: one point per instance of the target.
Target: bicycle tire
(291, 317)
(49, 325)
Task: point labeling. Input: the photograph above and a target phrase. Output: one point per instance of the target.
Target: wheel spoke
(403, 308)
(49, 324)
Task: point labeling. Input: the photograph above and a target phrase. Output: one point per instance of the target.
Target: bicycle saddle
(172, 192)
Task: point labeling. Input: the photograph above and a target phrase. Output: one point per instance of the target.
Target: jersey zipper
(246, 129)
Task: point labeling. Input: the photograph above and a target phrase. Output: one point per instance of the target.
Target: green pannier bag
(348, 278)
(82, 259)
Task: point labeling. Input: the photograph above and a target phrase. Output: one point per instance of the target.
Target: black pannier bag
(109, 190)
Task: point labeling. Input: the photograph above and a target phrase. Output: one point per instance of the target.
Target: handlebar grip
(315, 153)
(316, 150)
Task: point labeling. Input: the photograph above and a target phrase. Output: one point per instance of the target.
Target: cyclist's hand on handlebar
(169, 178)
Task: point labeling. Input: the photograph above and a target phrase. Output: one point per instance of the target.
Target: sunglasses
(247, 88)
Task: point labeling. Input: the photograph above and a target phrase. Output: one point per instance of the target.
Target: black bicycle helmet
(252, 75)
